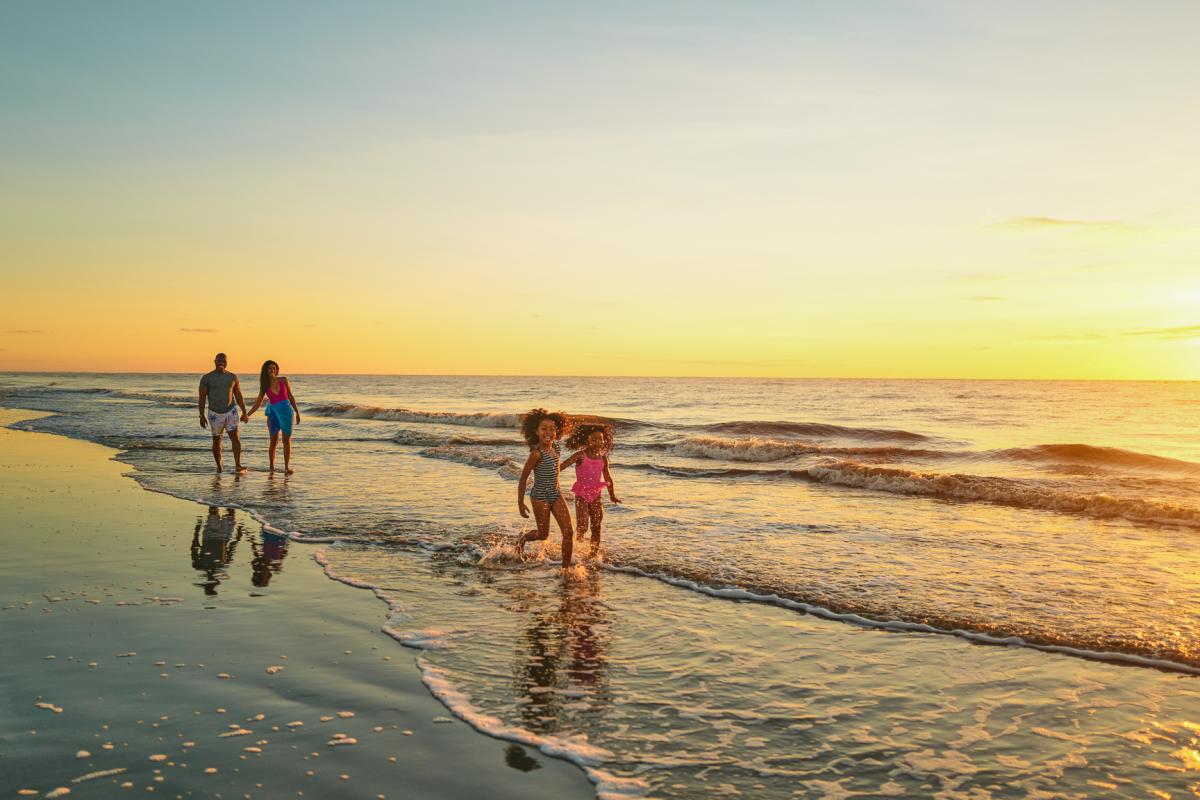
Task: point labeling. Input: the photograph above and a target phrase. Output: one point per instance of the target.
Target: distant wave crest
(480, 419)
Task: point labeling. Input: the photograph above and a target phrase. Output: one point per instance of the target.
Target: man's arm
(203, 399)
(237, 394)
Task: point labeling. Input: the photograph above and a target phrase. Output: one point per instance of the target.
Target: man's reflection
(561, 659)
(213, 543)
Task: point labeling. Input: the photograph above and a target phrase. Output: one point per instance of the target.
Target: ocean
(825, 588)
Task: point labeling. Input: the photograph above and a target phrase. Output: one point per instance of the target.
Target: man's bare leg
(236, 442)
(216, 447)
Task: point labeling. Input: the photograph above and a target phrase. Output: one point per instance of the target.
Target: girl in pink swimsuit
(592, 444)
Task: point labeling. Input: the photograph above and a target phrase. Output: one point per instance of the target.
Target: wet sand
(154, 645)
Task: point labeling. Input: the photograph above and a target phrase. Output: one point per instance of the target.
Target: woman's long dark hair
(530, 422)
(264, 376)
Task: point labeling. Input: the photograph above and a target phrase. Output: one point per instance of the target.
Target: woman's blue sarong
(279, 417)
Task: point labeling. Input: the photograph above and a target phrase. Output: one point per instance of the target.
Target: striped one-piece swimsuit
(545, 476)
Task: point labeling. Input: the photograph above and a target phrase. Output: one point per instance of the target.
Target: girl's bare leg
(563, 515)
(541, 516)
(581, 517)
(287, 454)
(596, 512)
(274, 442)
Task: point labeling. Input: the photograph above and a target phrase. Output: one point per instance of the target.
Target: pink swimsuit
(589, 479)
(281, 395)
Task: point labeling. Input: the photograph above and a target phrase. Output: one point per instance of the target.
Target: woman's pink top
(281, 395)
(589, 478)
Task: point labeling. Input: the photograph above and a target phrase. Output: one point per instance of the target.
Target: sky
(843, 189)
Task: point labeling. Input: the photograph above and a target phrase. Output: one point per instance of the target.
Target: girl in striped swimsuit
(542, 430)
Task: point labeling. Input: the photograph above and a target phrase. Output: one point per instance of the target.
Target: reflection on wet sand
(269, 553)
(214, 545)
(214, 542)
(561, 665)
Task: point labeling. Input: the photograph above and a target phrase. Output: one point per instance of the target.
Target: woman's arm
(257, 402)
(291, 398)
(530, 463)
(612, 489)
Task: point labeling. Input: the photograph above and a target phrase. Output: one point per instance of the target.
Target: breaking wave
(480, 419)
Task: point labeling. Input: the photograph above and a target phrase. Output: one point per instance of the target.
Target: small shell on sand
(378, 729)
(407, 733)
(59, 792)
(392, 759)
(326, 719)
(28, 792)
(271, 670)
(210, 770)
(51, 658)
(189, 744)
(50, 707)
(107, 746)
(344, 777)
(295, 724)
(126, 655)
(158, 757)
(345, 714)
(252, 749)
(224, 676)
(238, 732)
(93, 664)
(259, 717)
(160, 663)
(335, 741)
(83, 754)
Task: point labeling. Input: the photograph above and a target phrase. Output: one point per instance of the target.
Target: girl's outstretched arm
(574, 457)
(257, 402)
(612, 489)
(530, 463)
(291, 398)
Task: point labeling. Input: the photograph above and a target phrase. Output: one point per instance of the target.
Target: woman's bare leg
(274, 442)
(581, 517)
(287, 454)
(563, 515)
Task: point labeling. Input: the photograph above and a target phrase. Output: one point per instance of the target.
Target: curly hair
(531, 421)
(580, 434)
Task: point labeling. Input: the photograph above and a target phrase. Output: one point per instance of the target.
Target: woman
(281, 404)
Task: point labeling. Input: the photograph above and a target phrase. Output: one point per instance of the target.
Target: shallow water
(1064, 514)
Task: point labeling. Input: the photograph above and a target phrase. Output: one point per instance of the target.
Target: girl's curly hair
(531, 421)
(582, 432)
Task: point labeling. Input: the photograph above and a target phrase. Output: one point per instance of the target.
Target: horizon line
(632, 377)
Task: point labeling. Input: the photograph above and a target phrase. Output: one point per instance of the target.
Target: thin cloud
(198, 330)
(1183, 332)
(1054, 223)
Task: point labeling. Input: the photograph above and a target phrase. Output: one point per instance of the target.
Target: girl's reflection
(561, 660)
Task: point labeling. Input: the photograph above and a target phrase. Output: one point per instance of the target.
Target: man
(220, 388)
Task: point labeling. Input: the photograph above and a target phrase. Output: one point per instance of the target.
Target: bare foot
(579, 535)
(288, 471)
(219, 468)
(241, 469)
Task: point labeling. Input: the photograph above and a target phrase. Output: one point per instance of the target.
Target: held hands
(245, 417)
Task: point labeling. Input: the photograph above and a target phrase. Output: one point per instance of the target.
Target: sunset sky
(862, 189)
